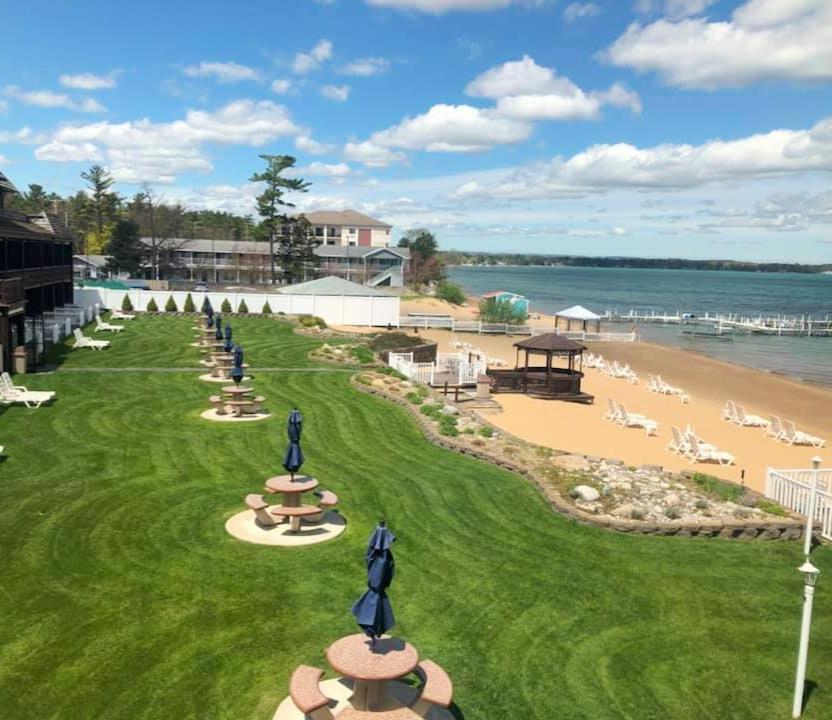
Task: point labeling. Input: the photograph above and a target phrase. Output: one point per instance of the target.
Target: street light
(810, 514)
(810, 578)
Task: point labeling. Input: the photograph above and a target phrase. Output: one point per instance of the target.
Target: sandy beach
(710, 383)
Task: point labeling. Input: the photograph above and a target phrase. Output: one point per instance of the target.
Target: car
(200, 287)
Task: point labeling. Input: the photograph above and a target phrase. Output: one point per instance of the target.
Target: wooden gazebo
(545, 380)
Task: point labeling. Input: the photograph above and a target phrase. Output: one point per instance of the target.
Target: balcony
(11, 291)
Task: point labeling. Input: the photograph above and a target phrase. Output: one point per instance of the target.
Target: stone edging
(752, 529)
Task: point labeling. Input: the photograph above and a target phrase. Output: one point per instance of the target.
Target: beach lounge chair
(775, 428)
(119, 315)
(106, 327)
(678, 444)
(748, 420)
(699, 452)
(793, 436)
(11, 393)
(635, 420)
(729, 412)
(612, 411)
(82, 341)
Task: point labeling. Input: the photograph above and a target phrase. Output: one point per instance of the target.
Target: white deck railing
(466, 371)
(792, 488)
(443, 322)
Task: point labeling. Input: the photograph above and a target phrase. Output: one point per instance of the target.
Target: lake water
(554, 288)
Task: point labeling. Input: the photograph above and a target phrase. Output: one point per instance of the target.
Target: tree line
(103, 222)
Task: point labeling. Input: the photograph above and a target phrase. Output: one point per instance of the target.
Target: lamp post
(810, 578)
(810, 514)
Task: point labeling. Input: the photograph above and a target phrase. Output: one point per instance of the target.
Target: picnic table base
(243, 527)
(212, 414)
(208, 377)
(341, 690)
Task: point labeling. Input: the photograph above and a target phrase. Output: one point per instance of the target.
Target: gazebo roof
(550, 342)
(577, 312)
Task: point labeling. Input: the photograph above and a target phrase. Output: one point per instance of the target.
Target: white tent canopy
(577, 312)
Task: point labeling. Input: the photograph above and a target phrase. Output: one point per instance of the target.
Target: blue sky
(693, 128)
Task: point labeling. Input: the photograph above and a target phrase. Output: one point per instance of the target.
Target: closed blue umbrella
(228, 332)
(209, 317)
(373, 611)
(237, 368)
(218, 333)
(294, 455)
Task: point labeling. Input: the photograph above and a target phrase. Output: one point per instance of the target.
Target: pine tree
(125, 250)
(267, 309)
(189, 304)
(297, 250)
(152, 306)
(243, 307)
(225, 308)
(170, 305)
(126, 305)
(270, 201)
(104, 205)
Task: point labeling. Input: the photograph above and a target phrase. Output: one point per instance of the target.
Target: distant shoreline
(498, 260)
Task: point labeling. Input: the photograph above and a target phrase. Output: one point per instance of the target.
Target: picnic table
(291, 487)
(352, 657)
(222, 364)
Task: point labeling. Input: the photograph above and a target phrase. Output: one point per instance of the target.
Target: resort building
(351, 245)
(89, 267)
(35, 274)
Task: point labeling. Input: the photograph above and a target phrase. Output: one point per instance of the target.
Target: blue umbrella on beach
(373, 611)
(218, 333)
(237, 368)
(294, 455)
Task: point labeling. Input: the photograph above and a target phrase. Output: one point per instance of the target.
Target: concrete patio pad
(243, 527)
(211, 414)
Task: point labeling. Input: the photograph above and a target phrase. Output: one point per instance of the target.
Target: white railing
(598, 336)
(792, 489)
(466, 371)
(448, 323)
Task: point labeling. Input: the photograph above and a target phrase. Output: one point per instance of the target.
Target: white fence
(446, 322)
(365, 310)
(792, 488)
(466, 371)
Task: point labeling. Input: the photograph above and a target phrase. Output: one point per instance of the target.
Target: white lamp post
(810, 514)
(810, 578)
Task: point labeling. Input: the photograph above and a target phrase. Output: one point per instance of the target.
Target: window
(319, 231)
(351, 231)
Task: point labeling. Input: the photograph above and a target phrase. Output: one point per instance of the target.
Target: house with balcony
(350, 245)
(35, 274)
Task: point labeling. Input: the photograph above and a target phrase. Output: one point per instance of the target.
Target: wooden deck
(557, 384)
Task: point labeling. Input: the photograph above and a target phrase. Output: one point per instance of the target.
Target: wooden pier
(729, 323)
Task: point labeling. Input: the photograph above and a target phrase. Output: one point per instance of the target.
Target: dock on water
(726, 323)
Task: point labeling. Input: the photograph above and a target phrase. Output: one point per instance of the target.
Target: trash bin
(19, 359)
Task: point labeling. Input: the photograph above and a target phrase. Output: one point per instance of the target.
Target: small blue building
(519, 302)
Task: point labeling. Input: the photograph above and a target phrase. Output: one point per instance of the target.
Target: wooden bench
(402, 713)
(261, 513)
(239, 407)
(218, 403)
(326, 500)
(437, 688)
(294, 513)
(305, 691)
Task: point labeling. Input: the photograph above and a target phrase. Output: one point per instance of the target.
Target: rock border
(751, 529)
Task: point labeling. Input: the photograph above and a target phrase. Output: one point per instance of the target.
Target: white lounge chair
(106, 327)
(612, 413)
(729, 412)
(700, 453)
(678, 444)
(775, 429)
(744, 420)
(119, 315)
(82, 341)
(11, 393)
(635, 420)
(793, 436)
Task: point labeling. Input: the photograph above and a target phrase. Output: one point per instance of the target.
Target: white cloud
(577, 10)
(664, 167)
(439, 7)
(24, 136)
(4, 160)
(337, 170)
(365, 67)
(339, 93)
(222, 72)
(307, 62)
(618, 231)
(674, 9)
(763, 40)
(141, 150)
(371, 154)
(49, 99)
(453, 128)
(281, 86)
(90, 81)
(69, 152)
(306, 144)
(524, 90)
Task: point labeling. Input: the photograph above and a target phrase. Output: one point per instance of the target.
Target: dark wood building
(35, 273)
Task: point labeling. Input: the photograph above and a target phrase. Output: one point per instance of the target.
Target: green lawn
(121, 596)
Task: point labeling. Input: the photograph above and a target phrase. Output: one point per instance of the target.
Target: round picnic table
(291, 489)
(237, 392)
(371, 668)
